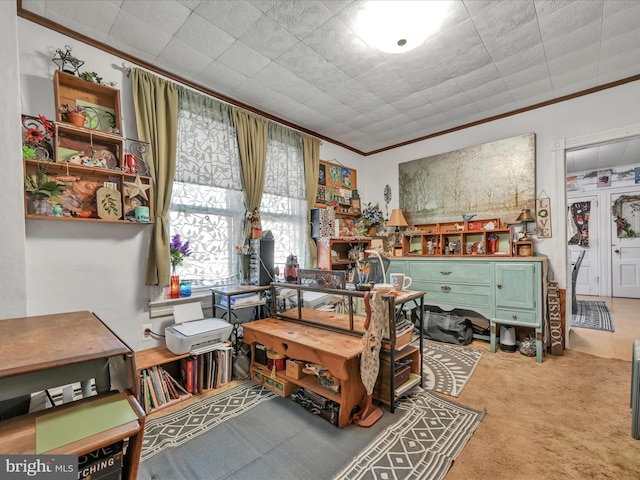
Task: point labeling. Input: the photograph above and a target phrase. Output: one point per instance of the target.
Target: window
(207, 203)
(284, 206)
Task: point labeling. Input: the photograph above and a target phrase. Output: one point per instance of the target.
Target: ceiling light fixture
(399, 26)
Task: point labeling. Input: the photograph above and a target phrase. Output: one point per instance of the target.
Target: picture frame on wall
(379, 244)
(356, 206)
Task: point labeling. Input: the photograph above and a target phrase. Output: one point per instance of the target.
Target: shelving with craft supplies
(85, 172)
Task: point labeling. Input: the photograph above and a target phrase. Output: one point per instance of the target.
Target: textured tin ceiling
(301, 62)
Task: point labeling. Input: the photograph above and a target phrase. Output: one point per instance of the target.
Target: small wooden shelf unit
(163, 357)
(100, 139)
(486, 237)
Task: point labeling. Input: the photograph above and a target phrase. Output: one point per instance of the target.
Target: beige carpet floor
(567, 418)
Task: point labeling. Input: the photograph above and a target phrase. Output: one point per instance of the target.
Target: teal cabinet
(516, 285)
(506, 290)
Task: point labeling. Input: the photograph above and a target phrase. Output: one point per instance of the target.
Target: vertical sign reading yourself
(543, 217)
(555, 318)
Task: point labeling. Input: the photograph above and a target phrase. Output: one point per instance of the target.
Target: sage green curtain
(156, 106)
(311, 169)
(253, 137)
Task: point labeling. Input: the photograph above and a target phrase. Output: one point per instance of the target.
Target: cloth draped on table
(372, 341)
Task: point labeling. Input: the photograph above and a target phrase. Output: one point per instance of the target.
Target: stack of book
(208, 370)
(158, 388)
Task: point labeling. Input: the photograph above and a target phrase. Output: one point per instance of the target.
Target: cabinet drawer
(516, 316)
(467, 272)
(452, 293)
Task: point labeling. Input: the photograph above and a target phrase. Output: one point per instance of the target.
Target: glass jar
(185, 289)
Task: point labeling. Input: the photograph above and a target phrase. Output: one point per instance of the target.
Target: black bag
(447, 328)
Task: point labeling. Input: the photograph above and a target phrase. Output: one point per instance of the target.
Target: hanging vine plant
(625, 208)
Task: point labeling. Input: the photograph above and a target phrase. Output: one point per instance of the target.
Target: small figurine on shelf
(493, 244)
(253, 219)
(67, 62)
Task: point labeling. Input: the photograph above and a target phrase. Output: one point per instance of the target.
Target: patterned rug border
(161, 433)
(604, 322)
(451, 365)
(422, 455)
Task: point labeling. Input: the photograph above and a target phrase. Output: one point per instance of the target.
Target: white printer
(194, 333)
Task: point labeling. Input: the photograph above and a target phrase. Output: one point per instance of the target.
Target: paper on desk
(75, 423)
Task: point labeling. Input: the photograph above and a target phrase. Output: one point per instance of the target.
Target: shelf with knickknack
(86, 172)
(340, 253)
(488, 237)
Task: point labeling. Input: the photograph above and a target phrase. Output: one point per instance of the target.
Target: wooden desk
(338, 352)
(46, 351)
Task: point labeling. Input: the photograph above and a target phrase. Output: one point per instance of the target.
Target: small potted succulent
(72, 114)
(42, 189)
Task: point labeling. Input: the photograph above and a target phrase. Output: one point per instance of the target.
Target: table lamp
(525, 217)
(524, 246)
(397, 220)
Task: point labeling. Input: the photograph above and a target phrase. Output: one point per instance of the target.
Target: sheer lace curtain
(207, 206)
(284, 205)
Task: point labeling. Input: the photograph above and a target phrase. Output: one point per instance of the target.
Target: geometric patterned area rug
(592, 314)
(422, 445)
(447, 367)
(178, 427)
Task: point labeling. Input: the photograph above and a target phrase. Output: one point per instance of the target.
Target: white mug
(400, 281)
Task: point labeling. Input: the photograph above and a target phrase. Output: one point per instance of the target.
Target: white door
(625, 258)
(588, 281)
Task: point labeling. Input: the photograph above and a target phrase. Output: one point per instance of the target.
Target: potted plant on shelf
(72, 114)
(42, 190)
(372, 218)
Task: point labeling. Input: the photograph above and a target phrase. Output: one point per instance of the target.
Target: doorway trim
(559, 156)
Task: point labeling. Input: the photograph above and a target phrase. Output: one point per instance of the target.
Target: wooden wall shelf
(474, 237)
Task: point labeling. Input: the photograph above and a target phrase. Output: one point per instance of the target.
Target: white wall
(605, 110)
(13, 283)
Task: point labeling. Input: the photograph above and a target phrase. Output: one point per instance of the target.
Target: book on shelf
(187, 372)
(158, 387)
(152, 392)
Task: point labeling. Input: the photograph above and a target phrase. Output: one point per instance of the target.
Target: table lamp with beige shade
(397, 220)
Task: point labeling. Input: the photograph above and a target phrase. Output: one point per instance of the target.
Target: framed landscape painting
(495, 179)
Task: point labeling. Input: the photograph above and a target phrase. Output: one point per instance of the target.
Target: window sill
(164, 306)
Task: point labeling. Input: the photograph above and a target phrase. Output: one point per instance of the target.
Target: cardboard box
(294, 369)
(102, 464)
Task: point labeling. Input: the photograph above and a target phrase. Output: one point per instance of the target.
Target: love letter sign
(543, 217)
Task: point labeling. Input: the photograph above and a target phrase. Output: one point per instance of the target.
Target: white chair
(574, 277)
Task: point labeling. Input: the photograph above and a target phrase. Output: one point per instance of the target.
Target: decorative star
(138, 187)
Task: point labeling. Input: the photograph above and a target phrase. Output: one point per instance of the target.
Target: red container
(276, 359)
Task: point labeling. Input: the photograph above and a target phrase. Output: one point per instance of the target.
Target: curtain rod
(127, 67)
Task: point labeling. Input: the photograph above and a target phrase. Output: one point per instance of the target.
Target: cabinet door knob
(499, 285)
(445, 273)
(445, 288)
(514, 316)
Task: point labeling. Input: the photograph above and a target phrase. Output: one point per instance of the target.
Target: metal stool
(635, 390)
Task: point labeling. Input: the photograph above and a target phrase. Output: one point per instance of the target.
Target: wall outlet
(146, 336)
